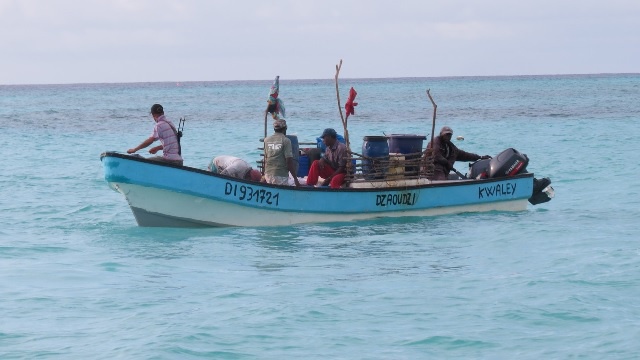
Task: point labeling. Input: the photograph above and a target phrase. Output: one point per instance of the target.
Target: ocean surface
(561, 280)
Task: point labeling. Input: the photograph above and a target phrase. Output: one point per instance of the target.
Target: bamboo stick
(344, 121)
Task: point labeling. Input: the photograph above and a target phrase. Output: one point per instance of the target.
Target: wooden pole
(344, 121)
(428, 153)
(264, 147)
(433, 123)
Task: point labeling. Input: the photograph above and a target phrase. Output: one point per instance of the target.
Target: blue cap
(329, 132)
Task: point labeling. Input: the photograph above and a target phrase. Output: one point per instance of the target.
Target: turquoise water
(561, 280)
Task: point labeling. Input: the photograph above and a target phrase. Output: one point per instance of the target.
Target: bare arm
(292, 169)
(142, 145)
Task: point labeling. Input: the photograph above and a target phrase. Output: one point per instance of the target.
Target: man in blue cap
(332, 166)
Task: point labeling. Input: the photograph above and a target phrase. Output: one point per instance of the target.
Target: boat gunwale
(446, 183)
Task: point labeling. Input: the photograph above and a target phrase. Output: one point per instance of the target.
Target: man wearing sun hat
(332, 166)
(446, 154)
(278, 156)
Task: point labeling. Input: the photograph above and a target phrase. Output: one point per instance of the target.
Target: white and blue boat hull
(161, 194)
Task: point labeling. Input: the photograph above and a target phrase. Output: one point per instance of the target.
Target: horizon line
(319, 79)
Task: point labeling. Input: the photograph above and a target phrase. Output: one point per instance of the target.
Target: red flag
(349, 106)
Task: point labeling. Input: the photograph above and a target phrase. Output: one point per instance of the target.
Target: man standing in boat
(446, 154)
(278, 156)
(332, 166)
(166, 132)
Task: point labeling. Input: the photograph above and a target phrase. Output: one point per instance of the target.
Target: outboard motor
(508, 163)
(479, 169)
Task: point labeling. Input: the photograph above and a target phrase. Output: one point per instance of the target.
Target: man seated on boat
(235, 167)
(166, 132)
(278, 156)
(446, 154)
(332, 166)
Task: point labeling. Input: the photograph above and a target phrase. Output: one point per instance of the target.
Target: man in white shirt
(233, 166)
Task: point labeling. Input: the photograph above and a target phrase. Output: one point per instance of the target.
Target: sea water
(79, 279)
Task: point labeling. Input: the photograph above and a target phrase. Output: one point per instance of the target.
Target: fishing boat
(162, 194)
(377, 185)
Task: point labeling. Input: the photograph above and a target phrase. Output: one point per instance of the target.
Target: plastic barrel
(377, 149)
(295, 148)
(407, 144)
(303, 168)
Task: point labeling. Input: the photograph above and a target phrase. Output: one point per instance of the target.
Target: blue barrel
(376, 149)
(303, 168)
(407, 144)
(295, 148)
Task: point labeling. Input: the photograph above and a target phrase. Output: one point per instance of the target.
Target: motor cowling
(509, 162)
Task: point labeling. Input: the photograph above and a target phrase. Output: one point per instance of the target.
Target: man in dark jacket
(446, 154)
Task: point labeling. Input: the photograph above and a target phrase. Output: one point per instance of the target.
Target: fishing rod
(181, 126)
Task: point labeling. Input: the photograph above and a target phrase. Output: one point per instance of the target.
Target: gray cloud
(128, 41)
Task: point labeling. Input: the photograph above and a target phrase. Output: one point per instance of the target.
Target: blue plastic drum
(405, 143)
(376, 149)
(303, 167)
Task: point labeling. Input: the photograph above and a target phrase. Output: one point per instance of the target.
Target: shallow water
(560, 280)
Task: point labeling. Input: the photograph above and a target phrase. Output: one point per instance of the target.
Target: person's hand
(153, 150)
(131, 151)
(485, 157)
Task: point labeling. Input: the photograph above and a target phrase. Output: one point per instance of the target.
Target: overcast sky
(87, 41)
